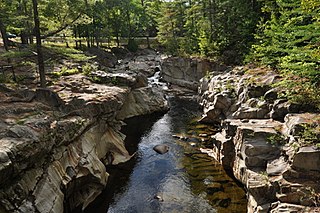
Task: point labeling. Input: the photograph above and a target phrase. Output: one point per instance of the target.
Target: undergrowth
(301, 91)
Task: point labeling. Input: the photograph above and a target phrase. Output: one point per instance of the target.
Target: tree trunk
(117, 39)
(39, 47)
(24, 38)
(92, 41)
(212, 11)
(4, 36)
(75, 37)
(88, 38)
(31, 39)
(97, 37)
(66, 40)
(148, 41)
(129, 24)
(147, 30)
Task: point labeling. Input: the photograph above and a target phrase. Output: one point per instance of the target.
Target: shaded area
(120, 174)
(182, 180)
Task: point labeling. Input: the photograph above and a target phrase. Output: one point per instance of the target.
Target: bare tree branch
(61, 28)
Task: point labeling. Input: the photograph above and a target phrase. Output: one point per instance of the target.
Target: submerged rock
(161, 149)
(158, 197)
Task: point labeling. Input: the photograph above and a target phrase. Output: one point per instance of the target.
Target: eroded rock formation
(261, 140)
(55, 142)
(186, 72)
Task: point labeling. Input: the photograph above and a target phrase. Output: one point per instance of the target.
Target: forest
(281, 34)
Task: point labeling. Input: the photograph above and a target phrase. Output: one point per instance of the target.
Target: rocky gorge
(263, 137)
(55, 143)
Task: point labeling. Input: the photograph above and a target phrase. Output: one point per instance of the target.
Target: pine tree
(290, 42)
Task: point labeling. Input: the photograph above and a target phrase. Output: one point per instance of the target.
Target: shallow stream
(181, 180)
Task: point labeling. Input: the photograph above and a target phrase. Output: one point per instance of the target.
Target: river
(181, 180)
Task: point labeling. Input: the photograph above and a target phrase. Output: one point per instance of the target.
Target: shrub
(132, 45)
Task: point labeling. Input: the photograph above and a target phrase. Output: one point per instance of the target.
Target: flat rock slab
(277, 167)
(307, 158)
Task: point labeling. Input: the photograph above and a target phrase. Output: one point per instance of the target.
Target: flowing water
(181, 180)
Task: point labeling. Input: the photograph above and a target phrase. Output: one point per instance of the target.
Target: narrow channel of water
(181, 180)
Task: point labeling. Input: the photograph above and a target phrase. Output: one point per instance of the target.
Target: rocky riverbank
(264, 139)
(56, 142)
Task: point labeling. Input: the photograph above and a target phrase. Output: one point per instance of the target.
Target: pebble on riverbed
(180, 137)
(158, 197)
(161, 149)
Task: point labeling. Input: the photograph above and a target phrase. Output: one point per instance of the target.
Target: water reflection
(159, 175)
(181, 180)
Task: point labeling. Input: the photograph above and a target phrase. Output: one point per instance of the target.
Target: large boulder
(142, 101)
(185, 72)
(104, 57)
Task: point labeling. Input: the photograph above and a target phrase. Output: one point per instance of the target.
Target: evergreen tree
(170, 25)
(6, 8)
(221, 29)
(289, 41)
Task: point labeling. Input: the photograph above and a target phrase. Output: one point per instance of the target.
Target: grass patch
(310, 135)
(301, 91)
(65, 72)
(69, 53)
(88, 68)
(17, 54)
(5, 78)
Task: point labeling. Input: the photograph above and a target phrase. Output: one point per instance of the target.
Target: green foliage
(132, 45)
(170, 26)
(17, 54)
(114, 81)
(264, 176)
(289, 41)
(88, 68)
(5, 78)
(301, 91)
(220, 29)
(96, 79)
(65, 71)
(310, 135)
(277, 139)
(208, 75)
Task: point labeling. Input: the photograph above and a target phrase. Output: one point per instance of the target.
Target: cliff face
(186, 72)
(55, 143)
(261, 140)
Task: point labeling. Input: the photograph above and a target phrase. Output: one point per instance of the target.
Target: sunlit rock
(161, 149)
(55, 145)
(262, 142)
(185, 72)
(142, 101)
